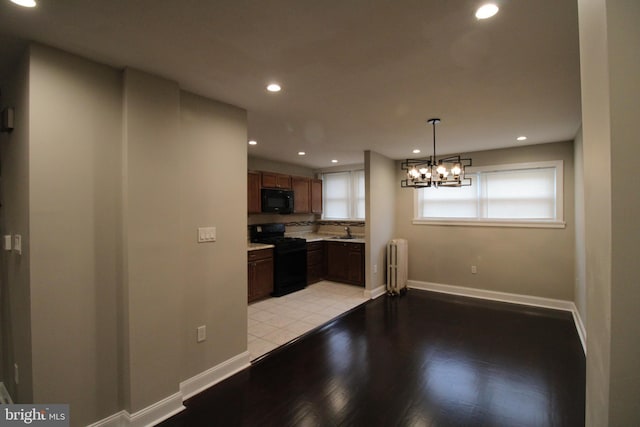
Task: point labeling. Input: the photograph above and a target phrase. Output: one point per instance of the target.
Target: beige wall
(624, 72)
(580, 288)
(380, 190)
(610, 66)
(15, 311)
(528, 261)
(597, 156)
(260, 164)
(74, 165)
(151, 239)
(108, 187)
(213, 280)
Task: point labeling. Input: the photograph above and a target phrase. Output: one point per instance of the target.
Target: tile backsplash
(300, 223)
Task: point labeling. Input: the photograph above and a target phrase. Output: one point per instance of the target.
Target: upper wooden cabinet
(316, 196)
(301, 194)
(276, 180)
(253, 192)
(307, 192)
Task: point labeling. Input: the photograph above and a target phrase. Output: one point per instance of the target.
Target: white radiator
(397, 266)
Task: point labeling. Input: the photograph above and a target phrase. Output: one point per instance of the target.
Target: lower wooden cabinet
(345, 262)
(260, 274)
(315, 262)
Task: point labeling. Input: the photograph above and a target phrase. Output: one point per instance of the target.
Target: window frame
(558, 222)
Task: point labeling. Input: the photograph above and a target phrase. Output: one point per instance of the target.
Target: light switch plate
(202, 333)
(7, 242)
(17, 243)
(206, 234)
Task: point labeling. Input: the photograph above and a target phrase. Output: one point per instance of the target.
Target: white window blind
(514, 194)
(521, 194)
(343, 195)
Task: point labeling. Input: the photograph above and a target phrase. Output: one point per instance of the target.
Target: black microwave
(277, 201)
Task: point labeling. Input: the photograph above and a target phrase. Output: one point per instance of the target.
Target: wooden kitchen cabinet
(301, 194)
(276, 180)
(355, 272)
(260, 268)
(254, 203)
(345, 262)
(315, 262)
(316, 196)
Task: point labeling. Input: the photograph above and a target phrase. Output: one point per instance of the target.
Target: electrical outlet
(16, 374)
(202, 333)
(474, 269)
(375, 268)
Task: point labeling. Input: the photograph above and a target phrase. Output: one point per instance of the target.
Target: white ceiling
(356, 74)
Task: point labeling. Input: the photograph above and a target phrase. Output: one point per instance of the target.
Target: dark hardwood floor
(423, 359)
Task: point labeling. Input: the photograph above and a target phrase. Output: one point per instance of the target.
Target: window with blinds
(516, 194)
(343, 195)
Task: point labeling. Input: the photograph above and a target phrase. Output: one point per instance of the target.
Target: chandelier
(445, 172)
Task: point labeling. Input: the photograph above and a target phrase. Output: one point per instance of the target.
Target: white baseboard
(210, 377)
(156, 413)
(582, 332)
(172, 405)
(119, 419)
(375, 293)
(147, 417)
(555, 304)
(5, 397)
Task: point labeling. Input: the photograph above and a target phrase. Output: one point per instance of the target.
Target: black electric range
(289, 257)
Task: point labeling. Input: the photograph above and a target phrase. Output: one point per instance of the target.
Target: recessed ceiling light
(416, 151)
(274, 87)
(253, 142)
(334, 161)
(25, 3)
(301, 153)
(521, 138)
(486, 11)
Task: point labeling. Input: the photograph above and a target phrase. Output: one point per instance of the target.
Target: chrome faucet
(348, 230)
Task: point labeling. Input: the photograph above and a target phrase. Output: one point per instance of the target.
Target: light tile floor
(276, 321)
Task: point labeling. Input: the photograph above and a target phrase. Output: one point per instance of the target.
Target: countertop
(309, 237)
(258, 246)
(317, 237)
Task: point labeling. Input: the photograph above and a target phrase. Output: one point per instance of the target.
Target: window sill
(491, 223)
